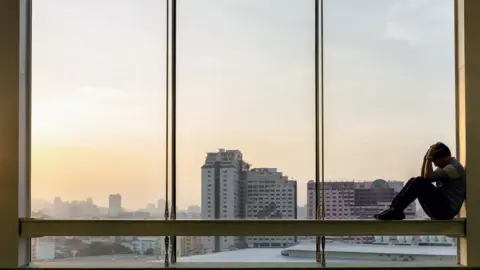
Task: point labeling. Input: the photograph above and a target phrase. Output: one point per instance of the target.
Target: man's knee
(411, 180)
(420, 181)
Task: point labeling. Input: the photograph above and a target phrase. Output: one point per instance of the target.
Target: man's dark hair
(440, 150)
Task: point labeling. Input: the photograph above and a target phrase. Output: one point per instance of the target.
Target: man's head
(440, 155)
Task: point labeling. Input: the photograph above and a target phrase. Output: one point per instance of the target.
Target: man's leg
(409, 193)
(436, 205)
(414, 188)
(405, 188)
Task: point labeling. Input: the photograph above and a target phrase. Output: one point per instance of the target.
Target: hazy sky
(245, 81)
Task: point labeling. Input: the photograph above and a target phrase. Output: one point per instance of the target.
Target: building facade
(223, 195)
(145, 245)
(189, 246)
(311, 199)
(270, 195)
(114, 205)
(355, 200)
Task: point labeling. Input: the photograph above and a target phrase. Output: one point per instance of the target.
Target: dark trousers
(435, 204)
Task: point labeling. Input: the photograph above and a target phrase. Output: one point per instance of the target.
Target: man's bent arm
(424, 163)
(428, 171)
(422, 171)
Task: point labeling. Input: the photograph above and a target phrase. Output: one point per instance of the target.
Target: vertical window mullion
(319, 129)
(15, 50)
(167, 126)
(173, 80)
(467, 95)
(25, 122)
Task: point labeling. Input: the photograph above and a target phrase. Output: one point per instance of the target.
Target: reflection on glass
(245, 113)
(389, 95)
(98, 109)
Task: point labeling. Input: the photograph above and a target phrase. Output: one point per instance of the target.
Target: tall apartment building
(270, 195)
(311, 199)
(114, 205)
(356, 200)
(223, 195)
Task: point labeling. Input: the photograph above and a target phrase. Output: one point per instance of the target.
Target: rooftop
(380, 249)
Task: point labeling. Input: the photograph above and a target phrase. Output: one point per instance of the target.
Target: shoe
(390, 214)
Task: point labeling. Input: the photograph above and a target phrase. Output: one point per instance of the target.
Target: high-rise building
(161, 205)
(223, 195)
(270, 195)
(356, 200)
(311, 199)
(302, 211)
(114, 205)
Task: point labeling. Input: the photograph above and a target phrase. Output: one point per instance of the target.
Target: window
(246, 101)
(386, 76)
(109, 233)
(98, 121)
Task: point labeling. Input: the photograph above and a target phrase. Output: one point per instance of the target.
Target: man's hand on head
(428, 156)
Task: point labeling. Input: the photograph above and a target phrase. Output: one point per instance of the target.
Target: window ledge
(37, 228)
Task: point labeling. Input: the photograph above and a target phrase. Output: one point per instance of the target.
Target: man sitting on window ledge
(442, 201)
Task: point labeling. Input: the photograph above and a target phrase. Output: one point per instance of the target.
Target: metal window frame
(15, 65)
(15, 109)
(467, 95)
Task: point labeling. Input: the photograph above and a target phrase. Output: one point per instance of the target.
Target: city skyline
(183, 208)
(141, 204)
(231, 189)
(245, 81)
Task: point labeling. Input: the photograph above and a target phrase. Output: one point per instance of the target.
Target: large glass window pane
(245, 115)
(98, 115)
(389, 95)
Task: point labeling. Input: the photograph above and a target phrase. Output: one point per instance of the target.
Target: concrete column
(14, 131)
(468, 121)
